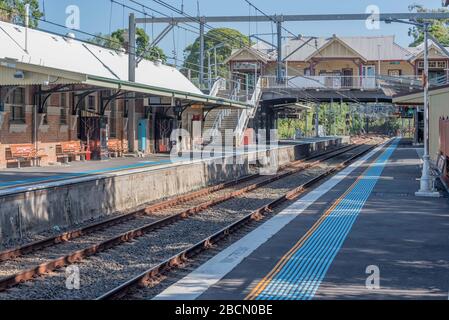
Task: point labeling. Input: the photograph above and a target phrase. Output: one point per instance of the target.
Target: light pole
(426, 183)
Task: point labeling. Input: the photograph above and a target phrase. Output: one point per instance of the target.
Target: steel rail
(44, 268)
(207, 243)
(73, 234)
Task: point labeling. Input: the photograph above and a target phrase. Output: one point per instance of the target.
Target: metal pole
(201, 75)
(132, 78)
(306, 127)
(132, 48)
(317, 117)
(209, 69)
(27, 24)
(216, 65)
(416, 140)
(426, 186)
(279, 49)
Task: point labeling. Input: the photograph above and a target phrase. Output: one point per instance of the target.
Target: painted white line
(199, 281)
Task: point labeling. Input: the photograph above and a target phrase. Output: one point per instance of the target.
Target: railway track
(153, 275)
(204, 212)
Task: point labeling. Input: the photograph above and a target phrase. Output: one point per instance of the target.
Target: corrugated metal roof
(415, 52)
(367, 47)
(46, 49)
(307, 50)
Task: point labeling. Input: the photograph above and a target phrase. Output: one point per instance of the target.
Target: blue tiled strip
(82, 174)
(302, 275)
(67, 176)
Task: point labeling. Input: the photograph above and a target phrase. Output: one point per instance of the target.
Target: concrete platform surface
(360, 235)
(14, 179)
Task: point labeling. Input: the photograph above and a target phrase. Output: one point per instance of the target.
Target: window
(63, 116)
(63, 99)
(441, 64)
(433, 64)
(17, 99)
(91, 103)
(18, 96)
(395, 73)
(17, 114)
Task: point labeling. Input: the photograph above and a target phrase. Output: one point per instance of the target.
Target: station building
(62, 99)
(438, 123)
(336, 62)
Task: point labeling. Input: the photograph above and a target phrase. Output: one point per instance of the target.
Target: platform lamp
(426, 184)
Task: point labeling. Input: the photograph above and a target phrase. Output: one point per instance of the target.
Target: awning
(20, 74)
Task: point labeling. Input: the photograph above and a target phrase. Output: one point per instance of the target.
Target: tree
(438, 28)
(117, 40)
(14, 11)
(232, 39)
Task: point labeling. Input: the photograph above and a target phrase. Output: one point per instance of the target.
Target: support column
(416, 138)
(279, 49)
(317, 120)
(132, 127)
(201, 75)
(306, 127)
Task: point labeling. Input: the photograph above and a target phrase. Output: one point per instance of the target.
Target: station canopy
(54, 59)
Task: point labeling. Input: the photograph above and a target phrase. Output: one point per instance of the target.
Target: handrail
(322, 82)
(250, 112)
(219, 84)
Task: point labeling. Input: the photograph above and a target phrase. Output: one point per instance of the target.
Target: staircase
(233, 120)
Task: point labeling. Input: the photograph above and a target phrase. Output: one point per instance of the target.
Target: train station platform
(31, 178)
(362, 234)
(34, 200)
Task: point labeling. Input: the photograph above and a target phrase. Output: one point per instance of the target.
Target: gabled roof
(418, 51)
(329, 43)
(367, 48)
(257, 54)
(307, 49)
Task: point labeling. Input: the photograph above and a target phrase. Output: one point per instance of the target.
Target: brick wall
(54, 132)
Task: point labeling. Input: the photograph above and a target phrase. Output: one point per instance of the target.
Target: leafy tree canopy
(438, 28)
(117, 39)
(14, 11)
(232, 39)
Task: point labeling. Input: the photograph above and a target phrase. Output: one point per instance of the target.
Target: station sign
(294, 116)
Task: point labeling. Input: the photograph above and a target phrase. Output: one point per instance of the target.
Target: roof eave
(142, 88)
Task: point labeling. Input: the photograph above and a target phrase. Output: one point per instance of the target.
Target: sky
(104, 15)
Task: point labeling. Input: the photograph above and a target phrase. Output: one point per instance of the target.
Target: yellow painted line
(261, 286)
